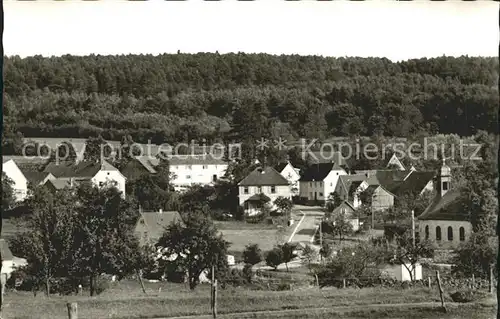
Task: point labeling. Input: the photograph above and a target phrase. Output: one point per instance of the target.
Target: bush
(274, 258)
(467, 295)
(247, 273)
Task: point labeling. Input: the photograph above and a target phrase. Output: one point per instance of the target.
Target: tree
(8, 197)
(341, 227)
(476, 255)
(326, 250)
(274, 258)
(310, 255)
(284, 205)
(252, 254)
(195, 245)
(96, 149)
(104, 239)
(288, 253)
(333, 201)
(48, 245)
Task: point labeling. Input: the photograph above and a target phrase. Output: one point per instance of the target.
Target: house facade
(20, 182)
(319, 181)
(444, 222)
(291, 174)
(348, 211)
(151, 225)
(262, 187)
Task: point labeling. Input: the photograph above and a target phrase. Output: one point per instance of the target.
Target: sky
(378, 28)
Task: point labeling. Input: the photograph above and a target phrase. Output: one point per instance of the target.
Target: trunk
(139, 275)
(286, 265)
(93, 285)
(47, 286)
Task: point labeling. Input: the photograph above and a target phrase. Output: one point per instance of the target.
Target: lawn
(126, 300)
(240, 234)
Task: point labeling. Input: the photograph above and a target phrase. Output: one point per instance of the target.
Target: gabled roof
(374, 187)
(259, 198)
(318, 172)
(65, 182)
(264, 177)
(446, 207)
(156, 222)
(280, 166)
(148, 162)
(36, 177)
(387, 159)
(389, 179)
(325, 156)
(415, 182)
(347, 180)
(85, 169)
(344, 203)
(6, 252)
(202, 159)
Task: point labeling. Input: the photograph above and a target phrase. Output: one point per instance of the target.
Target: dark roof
(347, 180)
(35, 177)
(84, 169)
(389, 179)
(264, 177)
(318, 172)
(258, 198)
(280, 166)
(4, 248)
(203, 159)
(415, 182)
(156, 222)
(326, 156)
(374, 187)
(447, 207)
(65, 182)
(344, 203)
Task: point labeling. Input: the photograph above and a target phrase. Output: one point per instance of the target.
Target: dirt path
(339, 309)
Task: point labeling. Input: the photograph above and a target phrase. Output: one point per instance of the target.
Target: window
(214, 178)
(331, 184)
(445, 186)
(205, 166)
(450, 233)
(189, 167)
(188, 176)
(310, 194)
(320, 194)
(245, 190)
(438, 233)
(259, 189)
(310, 184)
(427, 232)
(142, 222)
(273, 189)
(115, 183)
(461, 233)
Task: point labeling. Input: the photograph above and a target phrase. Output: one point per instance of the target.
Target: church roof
(446, 207)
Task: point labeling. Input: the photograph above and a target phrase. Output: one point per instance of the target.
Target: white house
(187, 170)
(401, 272)
(20, 182)
(262, 186)
(319, 180)
(68, 174)
(444, 221)
(291, 174)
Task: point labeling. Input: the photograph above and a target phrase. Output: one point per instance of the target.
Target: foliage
(326, 250)
(195, 245)
(468, 295)
(252, 254)
(274, 258)
(310, 255)
(287, 253)
(284, 205)
(8, 197)
(97, 149)
(104, 237)
(333, 201)
(475, 256)
(183, 96)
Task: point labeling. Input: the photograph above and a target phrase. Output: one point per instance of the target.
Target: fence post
(72, 310)
(491, 285)
(440, 290)
(473, 282)
(429, 282)
(317, 280)
(343, 283)
(214, 306)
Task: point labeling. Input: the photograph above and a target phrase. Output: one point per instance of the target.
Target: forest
(180, 97)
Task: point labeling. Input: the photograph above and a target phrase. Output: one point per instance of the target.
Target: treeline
(182, 97)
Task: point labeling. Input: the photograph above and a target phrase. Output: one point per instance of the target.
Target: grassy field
(126, 300)
(240, 234)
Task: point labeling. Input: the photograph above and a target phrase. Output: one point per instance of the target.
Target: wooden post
(72, 310)
(3, 282)
(413, 227)
(491, 279)
(139, 276)
(317, 280)
(440, 290)
(343, 283)
(212, 284)
(214, 307)
(473, 282)
(429, 282)
(320, 239)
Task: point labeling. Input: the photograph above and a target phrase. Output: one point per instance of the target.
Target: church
(444, 222)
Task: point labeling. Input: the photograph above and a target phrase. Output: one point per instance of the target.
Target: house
(187, 170)
(291, 174)
(417, 183)
(9, 261)
(20, 182)
(319, 180)
(348, 210)
(36, 178)
(69, 174)
(444, 221)
(381, 198)
(151, 225)
(401, 272)
(262, 186)
(348, 184)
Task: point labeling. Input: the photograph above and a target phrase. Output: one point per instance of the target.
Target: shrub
(274, 258)
(252, 254)
(467, 295)
(247, 273)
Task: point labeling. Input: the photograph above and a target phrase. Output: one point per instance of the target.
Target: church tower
(444, 179)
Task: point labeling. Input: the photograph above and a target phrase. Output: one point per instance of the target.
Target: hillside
(178, 97)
